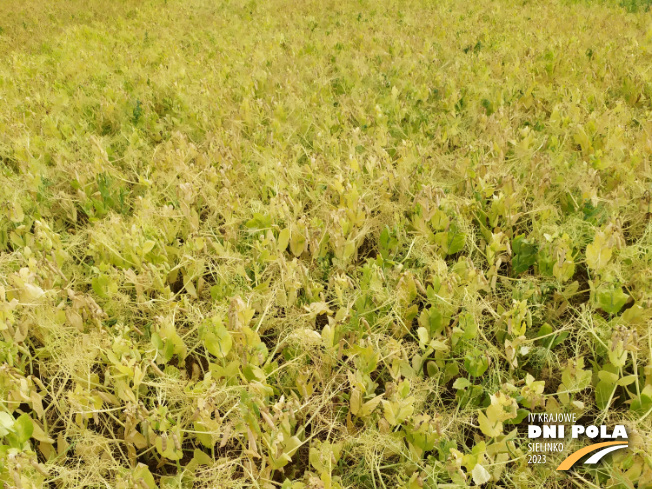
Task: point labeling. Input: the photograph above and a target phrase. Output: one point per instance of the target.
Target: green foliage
(524, 255)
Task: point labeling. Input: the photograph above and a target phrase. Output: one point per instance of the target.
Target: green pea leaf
(218, 342)
(524, 255)
(611, 300)
(476, 363)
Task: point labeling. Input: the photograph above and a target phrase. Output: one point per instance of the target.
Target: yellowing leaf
(202, 458)
(148, 246)
(368, 407)
(297, 242)
(598, 253)
(488, 428)
(398, 411)
(218, 342)
(142, 473)
(439, 220)
(16, 214)
(283, 240)
(356, 401)
(480, 475)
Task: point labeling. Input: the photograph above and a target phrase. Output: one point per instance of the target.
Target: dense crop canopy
(322, 244)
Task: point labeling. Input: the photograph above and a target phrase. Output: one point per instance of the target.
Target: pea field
(323, 244)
